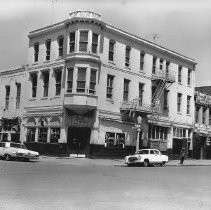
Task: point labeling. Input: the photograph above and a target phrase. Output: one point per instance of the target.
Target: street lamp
(138, 126)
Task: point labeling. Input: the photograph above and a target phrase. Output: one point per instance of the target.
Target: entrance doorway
(78, 139)
(178, 144)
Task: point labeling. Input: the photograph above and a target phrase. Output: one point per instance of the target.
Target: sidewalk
(189, 162)
(119, 162)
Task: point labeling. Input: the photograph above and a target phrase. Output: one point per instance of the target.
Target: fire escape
(160, 80)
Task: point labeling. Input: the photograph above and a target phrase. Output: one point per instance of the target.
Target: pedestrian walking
(182, 155)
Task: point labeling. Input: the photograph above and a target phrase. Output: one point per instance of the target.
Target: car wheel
(7, 157)
(146, 163)
(163, 163)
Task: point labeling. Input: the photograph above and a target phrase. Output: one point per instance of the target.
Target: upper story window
(34, 85)
(92, 83)
(69, 80)
(126, 90)
(18, 95)
(45, 75)
(209, 116)
(61, 45)
(141, 91)
(189, 77)
(48, 49)
(58, 78)
(111, 50)
(154, 64)
(7, 96)
(127, 56)
(167, 67)
(142, 55)
(204, 115)
(188, 104)
(197, 114)
(179, 102)
(81, 81)
(83, 44)
(165, 102)
(72, 42)
(180, 74)
(94, 42)
(109, 92)
(161, 63)
(36, 52)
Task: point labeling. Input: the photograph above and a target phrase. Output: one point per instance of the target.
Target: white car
(147, 157)
(10, 150)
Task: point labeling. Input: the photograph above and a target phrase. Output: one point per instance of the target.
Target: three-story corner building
(95, 89)
(202, 126)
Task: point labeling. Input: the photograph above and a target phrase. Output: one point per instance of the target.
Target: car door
(157, 155)
(152, 157)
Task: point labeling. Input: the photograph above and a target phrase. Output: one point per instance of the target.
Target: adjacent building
(202, 126)
(87, 83)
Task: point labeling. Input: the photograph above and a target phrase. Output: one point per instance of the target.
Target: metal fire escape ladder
(155, 99)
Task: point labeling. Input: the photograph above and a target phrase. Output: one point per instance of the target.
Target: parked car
(147, 157)
(10, 150)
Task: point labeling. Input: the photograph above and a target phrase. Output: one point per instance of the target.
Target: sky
(180, 25)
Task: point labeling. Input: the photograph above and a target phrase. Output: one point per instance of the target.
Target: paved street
(102, 184)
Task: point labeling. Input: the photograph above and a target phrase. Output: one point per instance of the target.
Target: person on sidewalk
(182, 155)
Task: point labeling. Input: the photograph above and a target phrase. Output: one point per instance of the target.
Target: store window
(204, 115)
(109, 92)
(30, 134)
(42, 135)
(83, 44)
(92, 83)
(58, 78)
(18, 95)
(72, 42)
(81, 80)
(48, 49)
(94, 42)
(114, 140)
(69, 80)
(157, 132)
(54, 135)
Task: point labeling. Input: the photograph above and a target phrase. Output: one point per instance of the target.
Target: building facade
(202, 126)
(87, 83)
(12, 94)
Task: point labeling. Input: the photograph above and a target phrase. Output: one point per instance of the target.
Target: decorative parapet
(202, 99)
(85, 14)
(161, 74)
